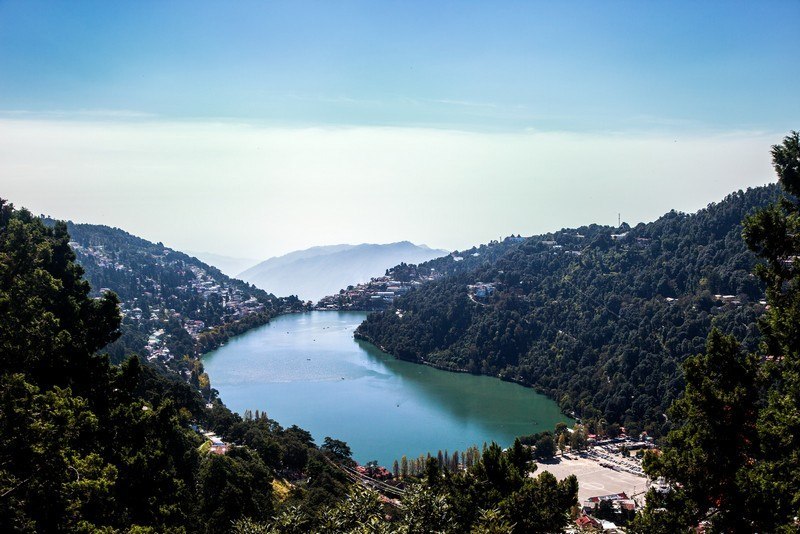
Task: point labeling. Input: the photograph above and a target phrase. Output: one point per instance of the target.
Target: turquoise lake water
(306, 369)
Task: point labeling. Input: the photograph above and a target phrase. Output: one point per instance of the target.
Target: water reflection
(308, 370)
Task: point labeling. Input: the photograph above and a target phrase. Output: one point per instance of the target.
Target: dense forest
(598, 318)
(732, 459)
(87, 445)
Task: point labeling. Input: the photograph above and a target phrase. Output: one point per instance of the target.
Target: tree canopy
(598, 318)
(87, 446)
(734, 457)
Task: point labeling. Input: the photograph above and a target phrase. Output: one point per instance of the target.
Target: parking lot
(593, 478)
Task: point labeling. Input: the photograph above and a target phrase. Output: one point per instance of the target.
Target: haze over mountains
(229, 265)
(319, 271)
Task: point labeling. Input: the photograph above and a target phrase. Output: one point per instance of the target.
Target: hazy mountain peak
(229, 265)
(315, 272)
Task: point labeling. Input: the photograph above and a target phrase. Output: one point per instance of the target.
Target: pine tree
(774, 234)
(711, 449)
(734, 456)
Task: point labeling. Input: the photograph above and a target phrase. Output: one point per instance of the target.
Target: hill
(598, 318)
(88, 446)
(174, 306)
(313, 273)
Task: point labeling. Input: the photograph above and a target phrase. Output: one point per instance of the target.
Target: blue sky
(449, 123)
(552, 65)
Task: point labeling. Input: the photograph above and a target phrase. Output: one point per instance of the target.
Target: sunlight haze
(255, 129)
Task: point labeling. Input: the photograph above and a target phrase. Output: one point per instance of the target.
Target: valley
(308, 370)
(399, 267)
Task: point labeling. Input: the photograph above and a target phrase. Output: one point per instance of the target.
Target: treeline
(542, 446)
(598, 318)
(495, 494)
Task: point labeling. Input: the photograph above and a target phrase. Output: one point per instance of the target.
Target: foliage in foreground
(88, 446)
(494, 496)
(734, 458)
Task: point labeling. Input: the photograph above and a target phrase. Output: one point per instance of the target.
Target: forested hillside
(599, 318)
(732, 458)
(89, 446)
(174, 307)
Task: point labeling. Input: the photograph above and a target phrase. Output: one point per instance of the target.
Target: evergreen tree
(734, 457)
(87, 446)
(712, 447)
(774, 234)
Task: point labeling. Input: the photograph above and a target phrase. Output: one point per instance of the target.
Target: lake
(307, 369)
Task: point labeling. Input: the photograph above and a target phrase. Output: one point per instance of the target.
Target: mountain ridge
(174, 306)
(319, 271)
(598, 318)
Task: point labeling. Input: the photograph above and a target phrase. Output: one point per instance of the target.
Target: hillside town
(380, 292)
(377, 294)
(161, 300)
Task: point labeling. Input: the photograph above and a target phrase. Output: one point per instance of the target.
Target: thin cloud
(78, 114)
(466, 103)
(252, 190)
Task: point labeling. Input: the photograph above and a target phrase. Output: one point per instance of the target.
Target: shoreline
(363, 337)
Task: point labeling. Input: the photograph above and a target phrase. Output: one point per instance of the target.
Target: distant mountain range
(319, 271)
(227, 264)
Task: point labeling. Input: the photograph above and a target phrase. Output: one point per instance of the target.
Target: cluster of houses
(217, 445)
(155, 346)
(555, 247)
(194, 327)
(237, 303)
(377, 294)
(481, 289)
(99, 255)
(618, 503)
(729, 299)
(373, 470)
(639, 242)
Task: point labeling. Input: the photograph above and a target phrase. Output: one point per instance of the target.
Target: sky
(252, 129)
